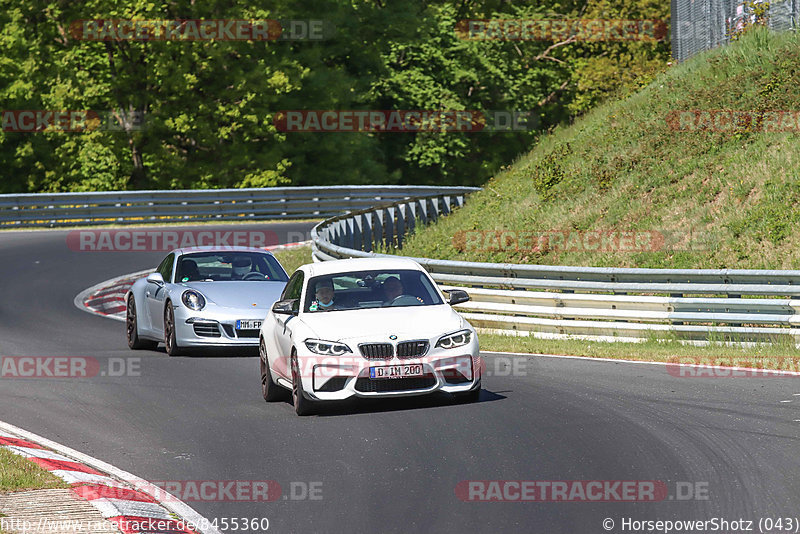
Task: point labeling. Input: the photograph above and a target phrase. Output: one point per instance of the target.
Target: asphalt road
(392, 466)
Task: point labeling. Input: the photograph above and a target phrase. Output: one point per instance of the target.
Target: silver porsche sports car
(204, 296)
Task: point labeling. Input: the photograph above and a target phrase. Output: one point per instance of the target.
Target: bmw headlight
(326, 348)
(193, 300)
(456, 339)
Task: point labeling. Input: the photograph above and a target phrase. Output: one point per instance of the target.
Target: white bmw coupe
(373, 327)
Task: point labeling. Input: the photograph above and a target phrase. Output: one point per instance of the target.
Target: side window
(166, 267)
(294, 288)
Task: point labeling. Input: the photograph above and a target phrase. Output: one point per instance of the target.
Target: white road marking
(174, 505)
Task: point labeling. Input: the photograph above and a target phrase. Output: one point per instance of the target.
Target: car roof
(189, 250)
(360, 264)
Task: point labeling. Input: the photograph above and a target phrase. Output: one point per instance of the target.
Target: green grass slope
(707, 199)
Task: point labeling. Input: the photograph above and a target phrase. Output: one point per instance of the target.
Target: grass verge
(292, 258)
(18, 474)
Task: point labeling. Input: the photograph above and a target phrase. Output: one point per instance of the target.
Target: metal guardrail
(542, 300)
(140, 207)
(605, 303)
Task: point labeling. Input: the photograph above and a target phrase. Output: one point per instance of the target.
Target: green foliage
(209, 106)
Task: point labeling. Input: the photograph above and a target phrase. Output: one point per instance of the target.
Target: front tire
(269, 389)
(132, 329)
(302, 405)
(170, 341)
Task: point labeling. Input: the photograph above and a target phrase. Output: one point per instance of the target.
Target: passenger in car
(325, 295)
(189, 271)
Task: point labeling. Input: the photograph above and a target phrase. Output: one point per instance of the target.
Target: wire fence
(699, 25)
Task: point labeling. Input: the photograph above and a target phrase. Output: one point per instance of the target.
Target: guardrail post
(366, 231)
(400, 213)
(411, 217)
(445, 205)
(389, 227)
(358, 232)
(378, 230)
(348, 238)
(423, 211)
(434, 213)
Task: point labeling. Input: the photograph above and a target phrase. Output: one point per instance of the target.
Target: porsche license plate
(248, 324)
(395, 371)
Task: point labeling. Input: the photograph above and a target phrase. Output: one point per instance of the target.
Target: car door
(154, 295)
(284, 324)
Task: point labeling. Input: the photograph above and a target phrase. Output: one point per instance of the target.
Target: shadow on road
(364, 406)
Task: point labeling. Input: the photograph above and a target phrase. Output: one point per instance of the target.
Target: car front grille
(367, 385)
(247, 333)
(376, 351)
(206, 329)
(228, 329)
(412, 349)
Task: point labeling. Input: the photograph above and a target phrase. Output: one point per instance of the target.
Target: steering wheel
(406, 300)
(254, 276)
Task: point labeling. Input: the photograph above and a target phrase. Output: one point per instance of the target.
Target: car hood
(412, 322)
(249, 295)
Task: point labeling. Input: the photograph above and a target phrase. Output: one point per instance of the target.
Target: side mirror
(156, 278)
(457, 296)
(286, 307)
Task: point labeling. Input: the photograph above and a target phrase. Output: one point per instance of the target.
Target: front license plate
(248, 324)
(395, 371)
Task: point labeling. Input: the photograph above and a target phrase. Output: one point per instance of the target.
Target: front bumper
(333, 378)
(215, 327)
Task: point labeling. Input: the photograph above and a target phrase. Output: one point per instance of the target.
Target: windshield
(229, 266)
(370, 289)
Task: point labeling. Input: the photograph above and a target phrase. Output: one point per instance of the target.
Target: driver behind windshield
(324, 296)
(241, 267)
(392, 288)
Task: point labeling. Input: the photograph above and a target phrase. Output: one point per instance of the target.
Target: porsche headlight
(326, 348)
(193, 300)
(456, 339)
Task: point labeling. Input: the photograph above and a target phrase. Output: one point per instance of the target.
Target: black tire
(132, 329)
(302, 405)
(170, 341)
(271, 391)
(470, 396)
